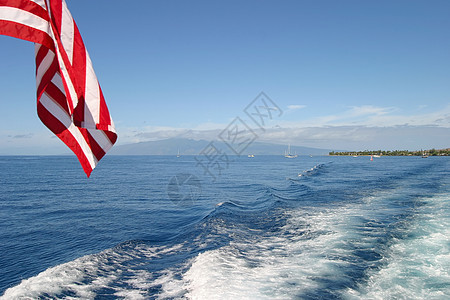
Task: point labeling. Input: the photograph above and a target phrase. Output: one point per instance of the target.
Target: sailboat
(178, 154)
(288, 154)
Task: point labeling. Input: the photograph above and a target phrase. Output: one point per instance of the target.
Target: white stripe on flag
(40, 2)
(57, 80)
(23, 17)
(92, 96)
(67, 32)
(101, 139)
(44, 65)
(65, 74)
(54, 109)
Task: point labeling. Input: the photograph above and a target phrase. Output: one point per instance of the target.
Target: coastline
(431, 152)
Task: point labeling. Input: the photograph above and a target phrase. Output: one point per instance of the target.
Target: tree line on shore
(431, 152)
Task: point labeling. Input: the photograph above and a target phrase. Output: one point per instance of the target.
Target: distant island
(432, 152)
(185, 146)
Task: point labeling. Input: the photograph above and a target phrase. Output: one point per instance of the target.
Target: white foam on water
(314, 246)
(310, 248)
(55, 280)
(417, 267)
(321, 248)
(84, 277)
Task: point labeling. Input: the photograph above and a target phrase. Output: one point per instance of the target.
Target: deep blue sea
(268, 227)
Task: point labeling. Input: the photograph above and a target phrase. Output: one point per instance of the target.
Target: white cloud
(154, 133)
(365, 110)
(41, 142)
(362, 137)
(373, 116)
(356, 128)
(294, 107)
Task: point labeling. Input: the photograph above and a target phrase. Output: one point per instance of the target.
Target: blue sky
(347, 74)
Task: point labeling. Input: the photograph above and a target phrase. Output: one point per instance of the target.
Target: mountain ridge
(171, 146)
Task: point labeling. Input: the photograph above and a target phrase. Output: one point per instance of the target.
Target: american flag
(70, 101)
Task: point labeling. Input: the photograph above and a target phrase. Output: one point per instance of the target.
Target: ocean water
(160, 227)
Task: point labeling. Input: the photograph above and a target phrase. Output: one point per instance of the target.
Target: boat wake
(301, 240)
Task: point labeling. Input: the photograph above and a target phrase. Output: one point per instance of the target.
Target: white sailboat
(288, 154)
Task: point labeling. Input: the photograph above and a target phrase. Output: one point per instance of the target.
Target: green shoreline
(431, 152)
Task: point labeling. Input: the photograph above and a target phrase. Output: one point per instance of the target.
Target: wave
(344, 252)
(310, 253)
(417, 266)
(315, 170)
(113, 272)
(340, 252)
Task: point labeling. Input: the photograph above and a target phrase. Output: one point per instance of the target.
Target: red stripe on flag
(25, 32)
(96, 149)
(64, 135)
(55, 15)
(56, 95)
(40, 55)
(111, 136)
(79, 56)
(80, 74)
(28, 6)
(104, 113)
(47, 77)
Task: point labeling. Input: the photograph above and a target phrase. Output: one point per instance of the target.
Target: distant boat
(377, 156)
(288, 154)
(251, 155)
(178, 155)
